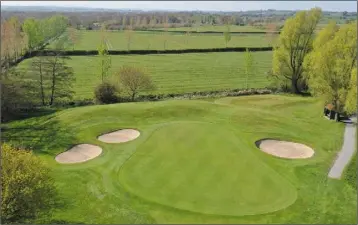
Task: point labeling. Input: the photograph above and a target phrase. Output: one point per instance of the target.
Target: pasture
(147, 40)
(179, 73)
(195, 161)
(216, 28)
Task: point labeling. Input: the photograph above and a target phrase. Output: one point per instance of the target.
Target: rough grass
(217, 158)
(175, 73)
(146, 40)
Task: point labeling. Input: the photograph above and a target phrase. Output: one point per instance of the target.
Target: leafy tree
(32, 29)
(27, 189)
(249, 66)
(295, 42)
(329, 66)
(227, 35)
(351, 100)
(134, 80)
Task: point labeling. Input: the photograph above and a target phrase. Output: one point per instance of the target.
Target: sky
(350, 6)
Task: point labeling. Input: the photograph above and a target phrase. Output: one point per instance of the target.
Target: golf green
(206, 168)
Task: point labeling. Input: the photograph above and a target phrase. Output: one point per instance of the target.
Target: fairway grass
(150, 40)
(194, 162)
(181, 73)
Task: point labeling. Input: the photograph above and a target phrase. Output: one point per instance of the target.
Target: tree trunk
(294, 86)
(41, 87)
(133, 96)
(53, 86)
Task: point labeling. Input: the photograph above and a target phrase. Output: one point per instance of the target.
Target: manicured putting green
(205, 168)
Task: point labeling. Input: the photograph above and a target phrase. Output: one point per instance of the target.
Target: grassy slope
(175, 73)
(117, 40)
(92, 192)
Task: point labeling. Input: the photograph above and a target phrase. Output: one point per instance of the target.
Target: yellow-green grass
(177, 73)
(146, 40)
(195, 162)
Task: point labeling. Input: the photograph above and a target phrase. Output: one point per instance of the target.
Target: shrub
(106, 93)
(27, 187)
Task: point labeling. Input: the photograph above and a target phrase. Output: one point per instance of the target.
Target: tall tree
(74, 37)
(295, 42)
(271, 33)
(329, 66)
(38, 67)
(61, 78)
(227, 35)
(128, 34)
(249, 66)
(165, 33)
(351, 100)
(105, 60)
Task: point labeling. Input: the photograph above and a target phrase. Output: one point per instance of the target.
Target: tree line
(324, 64)
(32, 34)
(47, 77)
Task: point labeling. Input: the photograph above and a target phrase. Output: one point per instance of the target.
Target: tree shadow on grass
(46, 138)
(25, 114)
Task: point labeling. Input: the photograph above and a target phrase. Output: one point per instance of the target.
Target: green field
(146, 40)
(217, 28)
(195, 162)
(179, 73)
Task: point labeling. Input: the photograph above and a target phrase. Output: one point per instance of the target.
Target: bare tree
(271, 33)
(60, 75)
(134, 80)
(128, 34)
(38, 66)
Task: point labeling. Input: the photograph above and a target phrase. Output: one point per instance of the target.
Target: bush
(27, 188)
(106, 93)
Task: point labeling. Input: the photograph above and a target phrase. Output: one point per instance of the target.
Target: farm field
(159, 178)
(146, 40)
(179, 73)
(217, 28)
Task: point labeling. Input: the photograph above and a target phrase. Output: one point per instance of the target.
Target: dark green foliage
(146, 52)
(106, 93)
(17, 93)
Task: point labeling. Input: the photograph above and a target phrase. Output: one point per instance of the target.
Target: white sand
(79, 153)
(119, 136)
(284, 149)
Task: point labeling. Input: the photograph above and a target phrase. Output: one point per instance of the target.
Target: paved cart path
(347, 151)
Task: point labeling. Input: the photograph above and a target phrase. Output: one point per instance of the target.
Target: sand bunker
(79, 153)
(285, 149)
(119, 136)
